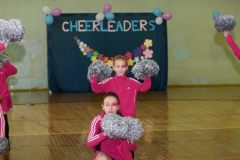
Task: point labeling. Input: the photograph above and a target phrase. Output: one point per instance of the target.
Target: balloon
(109, 16)
(49, 19)
(56, 12)
(215, 15)
(159, 20)
(157, 12)
(100, 16)
(107, 8)
(167, 15)
(46, 10)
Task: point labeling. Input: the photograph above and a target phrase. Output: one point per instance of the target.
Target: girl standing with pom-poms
(11, 31)
(125, 87)
(104, 147)
(6, 70)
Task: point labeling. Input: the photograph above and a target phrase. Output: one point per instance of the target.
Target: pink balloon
(56, 12)
(107, 8)
(167, 15)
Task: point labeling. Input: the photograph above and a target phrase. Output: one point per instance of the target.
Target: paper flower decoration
(136, 59)
(87, 49)
(75, 38)
(105, 59)
(137, 52)
(143, 47)
(95, 53)
(112, 58)
(93, 58)
(130, 62)
(148, 53)
(100, 56)
(128, 55)
(110, 63)
(89, 55)
(148, 43)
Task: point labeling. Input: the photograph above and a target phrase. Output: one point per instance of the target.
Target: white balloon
(46, 10)
(100, 16)
(159, 20)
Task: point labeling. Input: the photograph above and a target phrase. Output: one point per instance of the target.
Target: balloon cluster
(106, 13)
(118, 127)
(100, 69)
(225, 23)
(4, 145)
(145, 68)
(160, 16)
(4, 57)
(49, 18)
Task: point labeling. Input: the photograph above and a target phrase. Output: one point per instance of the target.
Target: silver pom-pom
(12, 31)
(145, 68)
(100, 69)
(117, 127)
(4, 145)
(135, 130)
(225, 23)
(4, 57)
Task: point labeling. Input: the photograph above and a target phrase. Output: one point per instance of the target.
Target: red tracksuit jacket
(118, 149)
(126, 88)
(234, 46)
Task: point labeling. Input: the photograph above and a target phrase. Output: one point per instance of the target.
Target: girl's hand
(226, 33)
(104, 134)
(5, 44)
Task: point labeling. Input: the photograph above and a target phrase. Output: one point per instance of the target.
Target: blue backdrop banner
(75, 40)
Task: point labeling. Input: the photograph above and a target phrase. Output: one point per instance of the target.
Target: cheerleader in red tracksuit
(232, 44)
(6, 70)
(125, 87)
(104, 147)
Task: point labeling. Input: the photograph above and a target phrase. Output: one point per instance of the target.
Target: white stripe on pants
(2, 123)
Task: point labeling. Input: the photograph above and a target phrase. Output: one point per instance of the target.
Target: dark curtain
(67, 66)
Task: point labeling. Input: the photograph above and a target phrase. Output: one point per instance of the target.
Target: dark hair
(111, 94)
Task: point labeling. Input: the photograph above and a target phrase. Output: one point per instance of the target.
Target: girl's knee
(103, 156)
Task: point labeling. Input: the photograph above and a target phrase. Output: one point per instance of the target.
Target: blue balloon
(157, 12)
(215, 15)
(109, 16)
(49, 19)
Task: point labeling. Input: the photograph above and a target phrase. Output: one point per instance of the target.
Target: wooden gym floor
(179, 124)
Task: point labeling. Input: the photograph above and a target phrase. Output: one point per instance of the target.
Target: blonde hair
(119, 57)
